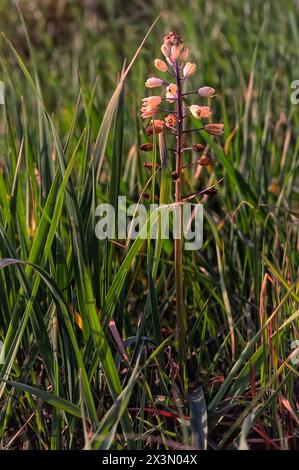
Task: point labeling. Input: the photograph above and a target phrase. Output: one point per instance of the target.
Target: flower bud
(200, 112)
(157, 126)
(175, 51)
(198, 147)
(184, 54)
(149, 165)
(165, 50)
(205, 160)
(160, 65)
(189, 69)
(214, 129)
(206, 91)
(173, 39)
(153, 82)
(148, 147)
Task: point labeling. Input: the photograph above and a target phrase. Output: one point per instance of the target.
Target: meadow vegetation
(92, 358)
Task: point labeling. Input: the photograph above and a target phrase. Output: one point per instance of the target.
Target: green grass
(72, 115)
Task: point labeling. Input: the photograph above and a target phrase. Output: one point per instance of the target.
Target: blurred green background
(248, 51)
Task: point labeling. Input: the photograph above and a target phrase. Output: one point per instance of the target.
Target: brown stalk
(178, 245)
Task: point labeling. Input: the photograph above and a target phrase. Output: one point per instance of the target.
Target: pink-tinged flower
(149, 106)
(160, 65)
(152, 101)
(189, 69)
(206, 91)
(214, 129)
(154, 82)
(175, 51)
(165, 50)
(171, 93)
(148, 111)
(184, 54)
(156, 126)
(170, 120)
(172, 88)
(200, 112)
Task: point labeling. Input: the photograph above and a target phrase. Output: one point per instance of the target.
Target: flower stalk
(177, 67)
(178, 249)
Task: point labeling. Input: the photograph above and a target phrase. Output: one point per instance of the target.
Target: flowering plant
(177, 69)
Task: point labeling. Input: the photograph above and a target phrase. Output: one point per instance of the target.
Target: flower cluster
(177, 70)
